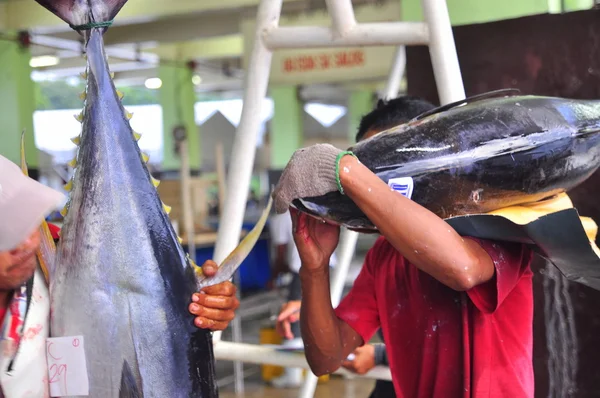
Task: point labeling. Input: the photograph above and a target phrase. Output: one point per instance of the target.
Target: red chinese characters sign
(323, 61)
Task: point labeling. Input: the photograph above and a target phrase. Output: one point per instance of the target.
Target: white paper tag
(67, 369)
(403, 185)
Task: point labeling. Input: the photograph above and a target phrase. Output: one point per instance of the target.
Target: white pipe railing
(442, 51)
(342, 16)
(435, 31)
(244, 150)
(396, 73)
(264, 355)
(366, 34)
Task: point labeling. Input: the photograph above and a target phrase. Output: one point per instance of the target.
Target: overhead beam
(25, 14)
(167, 30)
(75, 46)
(219, 47)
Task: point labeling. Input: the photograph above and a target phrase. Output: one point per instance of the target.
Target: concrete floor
(336, 387)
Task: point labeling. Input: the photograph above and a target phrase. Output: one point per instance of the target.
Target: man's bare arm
(423, 238)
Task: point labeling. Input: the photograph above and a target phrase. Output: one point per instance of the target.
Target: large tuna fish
(121, 278)
(488, 154)
(493, 168)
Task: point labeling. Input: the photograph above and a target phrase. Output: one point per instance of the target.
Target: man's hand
(290, 313)
(310, 172)
(364, 360)
(214, 306)
(315, 240)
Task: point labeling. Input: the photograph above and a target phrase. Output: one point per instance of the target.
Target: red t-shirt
(442, 342)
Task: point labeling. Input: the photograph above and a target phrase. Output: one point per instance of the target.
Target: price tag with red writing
(67, 370)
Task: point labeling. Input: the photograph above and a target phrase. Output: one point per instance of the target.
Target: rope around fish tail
(91, 25)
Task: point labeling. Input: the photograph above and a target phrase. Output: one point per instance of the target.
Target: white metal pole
(396, 73)
(244, 147)
(186, 197)
(262, 355)
(442, 51)
(342, 16)
(364, 34)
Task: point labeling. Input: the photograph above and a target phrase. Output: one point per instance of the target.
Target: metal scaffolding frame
(435, 31)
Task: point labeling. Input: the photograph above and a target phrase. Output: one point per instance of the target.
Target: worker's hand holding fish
(214, 306)
(312, 171)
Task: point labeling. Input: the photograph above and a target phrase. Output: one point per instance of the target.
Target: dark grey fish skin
(488, 154)
(121, 279)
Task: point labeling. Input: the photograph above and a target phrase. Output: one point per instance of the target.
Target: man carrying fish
(456, 312)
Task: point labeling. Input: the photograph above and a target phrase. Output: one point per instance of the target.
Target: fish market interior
(172, 131)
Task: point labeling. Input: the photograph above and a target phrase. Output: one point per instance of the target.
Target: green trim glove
(312, 171)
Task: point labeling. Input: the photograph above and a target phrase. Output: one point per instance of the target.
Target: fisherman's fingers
(212, 313)
(209, 268)
(287, 331)
(220, 289)
(218, 302)
(211, 324)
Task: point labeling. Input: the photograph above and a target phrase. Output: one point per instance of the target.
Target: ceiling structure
(147, 33)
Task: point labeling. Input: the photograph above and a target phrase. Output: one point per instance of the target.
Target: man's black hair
(388, 114)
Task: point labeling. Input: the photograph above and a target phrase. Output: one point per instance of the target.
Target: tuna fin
(468, 100)
(75, 140)
(77, 12)
(228, 267)
(83, 95)
(79, 117)
(137, 136)
(155, 182)
(120, 94)
(587, 131)
(68, 186)
(129, 387)
(47, 249)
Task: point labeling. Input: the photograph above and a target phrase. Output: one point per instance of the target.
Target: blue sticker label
(402, 185)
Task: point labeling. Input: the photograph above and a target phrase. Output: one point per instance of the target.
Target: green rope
(91, 25)
(337, 169)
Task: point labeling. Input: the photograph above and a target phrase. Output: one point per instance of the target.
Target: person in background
(24, 297)
(365, 358)
(456, 312)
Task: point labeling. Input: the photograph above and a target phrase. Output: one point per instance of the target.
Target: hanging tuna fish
(477, 156)
(121, 278)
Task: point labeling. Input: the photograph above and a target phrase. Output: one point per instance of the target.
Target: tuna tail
(47, 251)
(81, 12)
(129, 387)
